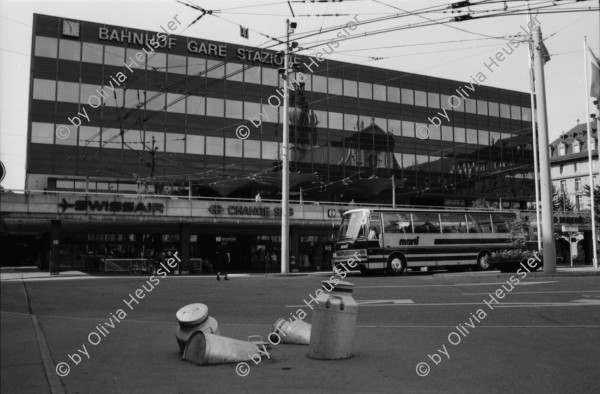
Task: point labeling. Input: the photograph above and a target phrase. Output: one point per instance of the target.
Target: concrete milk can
(192, 318)
(333, 322)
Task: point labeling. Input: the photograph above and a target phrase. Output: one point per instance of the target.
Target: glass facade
(104, 105)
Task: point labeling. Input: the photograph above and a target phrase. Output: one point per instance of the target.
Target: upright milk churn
(333, 322)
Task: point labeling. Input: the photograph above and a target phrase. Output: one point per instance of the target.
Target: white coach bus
(397, 239)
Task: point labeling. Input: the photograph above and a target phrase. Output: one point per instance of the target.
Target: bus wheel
(396, 265)
(482, 262)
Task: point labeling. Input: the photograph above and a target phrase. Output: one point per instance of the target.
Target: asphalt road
(421, 333)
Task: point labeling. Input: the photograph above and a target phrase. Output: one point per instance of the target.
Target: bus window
(374, 227)
(479, 223)
(502, 223)
(454, 223)
(426, 222)
(352, 226)
(394, 223)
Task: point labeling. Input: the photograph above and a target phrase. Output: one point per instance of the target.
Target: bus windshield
(352, 226)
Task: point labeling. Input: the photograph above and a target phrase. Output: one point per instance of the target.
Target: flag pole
(589, 141)
(535, 144)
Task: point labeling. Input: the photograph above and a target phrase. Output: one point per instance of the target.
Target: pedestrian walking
(222, 259)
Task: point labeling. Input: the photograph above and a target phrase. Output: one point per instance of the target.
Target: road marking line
(542, 292)
(452, 284)
(372, 302)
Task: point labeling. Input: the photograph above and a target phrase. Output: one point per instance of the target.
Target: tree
(560, 201)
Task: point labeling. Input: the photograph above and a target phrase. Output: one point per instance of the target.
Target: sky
(456, 50)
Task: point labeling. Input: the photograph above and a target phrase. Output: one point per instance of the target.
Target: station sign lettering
(247, 210)
(111, 206)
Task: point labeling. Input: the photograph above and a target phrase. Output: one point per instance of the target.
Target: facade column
(54, 247)
(184, 239)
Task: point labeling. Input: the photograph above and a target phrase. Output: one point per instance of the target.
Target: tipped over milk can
(333, 322)
(192, 318)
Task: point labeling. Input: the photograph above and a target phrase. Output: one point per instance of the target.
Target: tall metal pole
(393, 192)
(535, 144)
(285, 182)
(545, 184)
(590, 167)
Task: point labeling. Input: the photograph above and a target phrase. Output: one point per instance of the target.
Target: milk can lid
(192, 314)
(339, 286)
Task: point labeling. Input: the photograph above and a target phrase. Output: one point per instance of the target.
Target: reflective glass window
(420, 98)
(177, 64)
(68, 92)
(175, 143)
(234, 147)
(408, 96)
(176, 103)
(157, 62)
(471, 136)
(350, 88)
(484, 137)
(252, 149)
(379, 92)
(435, 132)
(470, 106)
(89, 136)
(459, 103)
(252, 110)
(447, 133)
(196, 105)
(336, 121)
(46, 47)
(115, 56)
(320, 118)
(215, 69)
(252, 75)
(459, 135)
(214, 146)
(270, 76)
(155, 101)
(526, 114)
(91, 53)
(494, 137)
(505, 111)
(501, 223)
(43, 133)
(453, 223)
(494, 109)
(44, 89)
(351, 122)
(393, 94)
(269, 150)
(319, 84)
(195, 144)
(479, 223)
(408, 128)
(426, 222)
(515, 112)
(482, 107)
(196, 66)
(397, 223)
(234, 109)
(307, 81)
(214, 107)
(234, 72)
(394, 126)
(111, 139)
(445, 101)
(381, 123)
(365, 90)
(335, 86)
(433, 100)
(271, 113)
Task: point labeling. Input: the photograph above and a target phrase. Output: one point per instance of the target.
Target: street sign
(570, 229)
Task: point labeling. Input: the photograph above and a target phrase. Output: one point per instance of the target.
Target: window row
(95, 137)
(91, 95)
(117, 56)
(425, 222)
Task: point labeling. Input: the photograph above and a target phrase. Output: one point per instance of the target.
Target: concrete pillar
(184, 239)
(54, 247)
